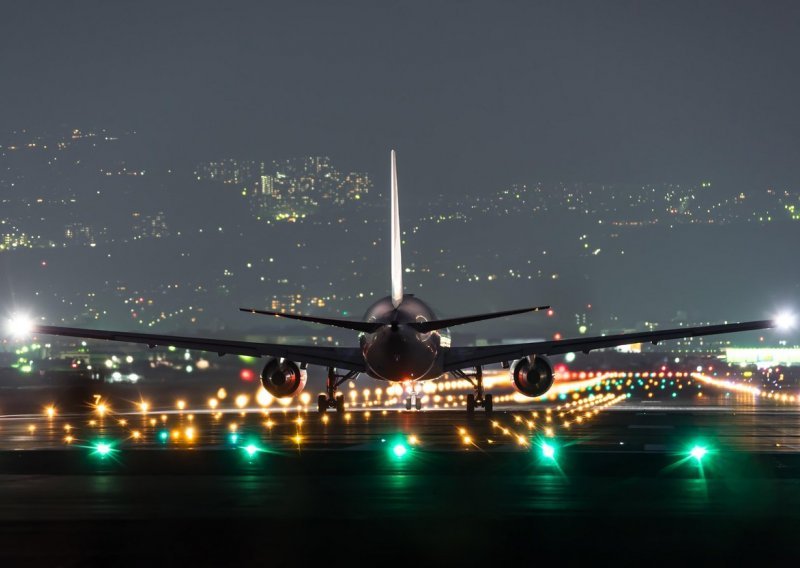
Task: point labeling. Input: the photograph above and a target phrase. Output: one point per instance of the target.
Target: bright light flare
(698, 452)
(19, 325)
(785, 321)
(548, 451)
(399, 450)
(102, 448)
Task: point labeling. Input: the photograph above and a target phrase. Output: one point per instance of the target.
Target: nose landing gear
(479, 398)
(332, 399)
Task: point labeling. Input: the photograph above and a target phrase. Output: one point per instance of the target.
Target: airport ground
(617, 469)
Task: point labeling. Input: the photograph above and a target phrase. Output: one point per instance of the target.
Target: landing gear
(332, 399)
(479, 398)
(415, 399)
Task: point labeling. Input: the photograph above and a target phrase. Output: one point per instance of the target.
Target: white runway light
(19, 326)
(785, 320)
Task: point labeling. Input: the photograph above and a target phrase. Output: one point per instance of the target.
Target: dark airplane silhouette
(401, 340)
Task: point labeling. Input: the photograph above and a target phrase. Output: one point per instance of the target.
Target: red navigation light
(550, 313)
(246, 375)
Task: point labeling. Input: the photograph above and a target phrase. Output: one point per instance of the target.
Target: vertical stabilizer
(397, 262)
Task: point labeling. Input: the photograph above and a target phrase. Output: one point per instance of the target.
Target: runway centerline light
(103, 449)
(698, 452)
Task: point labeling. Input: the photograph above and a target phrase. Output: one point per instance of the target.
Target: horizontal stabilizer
(366, 327)
(426, 326)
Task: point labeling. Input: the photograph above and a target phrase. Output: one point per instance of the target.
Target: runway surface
(603, 467)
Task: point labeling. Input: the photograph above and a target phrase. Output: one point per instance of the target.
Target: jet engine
(532, 376)
(283, 378)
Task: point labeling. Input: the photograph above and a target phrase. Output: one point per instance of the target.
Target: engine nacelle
(532, 376)
(283, 378)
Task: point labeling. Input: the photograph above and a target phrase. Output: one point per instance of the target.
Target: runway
(617, 468)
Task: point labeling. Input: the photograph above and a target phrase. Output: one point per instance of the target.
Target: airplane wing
(463, 357)
(340, 357)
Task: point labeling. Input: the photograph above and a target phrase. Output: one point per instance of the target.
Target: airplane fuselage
(397, 352)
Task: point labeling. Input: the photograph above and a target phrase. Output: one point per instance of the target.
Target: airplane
(401, 340)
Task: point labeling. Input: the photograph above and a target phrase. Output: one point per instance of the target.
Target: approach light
(19, 326)
(399, 450)
(698, 452)
(548, 451)
(785, 321)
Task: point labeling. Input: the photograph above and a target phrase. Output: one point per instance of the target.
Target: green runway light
(103, 449)
(698, 452)
(234, 438)
(548, 451)
(399, 450)
(163, 436)
(251, 449)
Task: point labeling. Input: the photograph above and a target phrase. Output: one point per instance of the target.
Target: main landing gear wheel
(477, 399)
(333, 399)
(470, 403)
(414, 400)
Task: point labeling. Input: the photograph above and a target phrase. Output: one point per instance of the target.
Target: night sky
(472, 94)
(475, 96)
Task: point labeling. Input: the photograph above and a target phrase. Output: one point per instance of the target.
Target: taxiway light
(698, 452)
